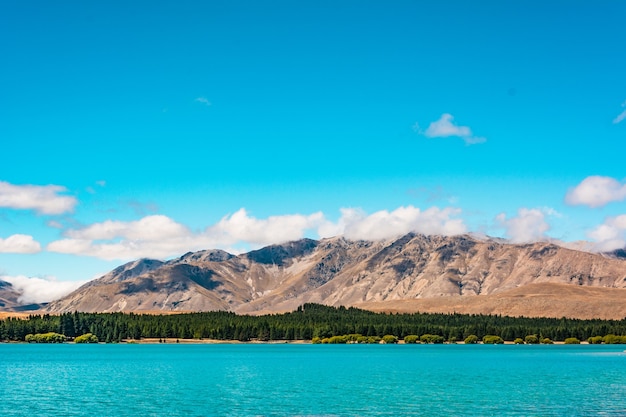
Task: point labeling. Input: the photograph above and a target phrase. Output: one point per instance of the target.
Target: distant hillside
(411, 269)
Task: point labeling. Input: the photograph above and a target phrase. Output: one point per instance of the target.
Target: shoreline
(178, 341)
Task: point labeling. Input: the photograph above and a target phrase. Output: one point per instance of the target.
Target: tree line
(307, 322)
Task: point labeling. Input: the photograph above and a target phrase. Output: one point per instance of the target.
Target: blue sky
(147, 130)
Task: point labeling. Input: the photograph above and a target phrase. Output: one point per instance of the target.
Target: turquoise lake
(312, 380)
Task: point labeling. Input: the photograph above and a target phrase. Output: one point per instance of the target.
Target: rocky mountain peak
(214, 255)
(280, 254)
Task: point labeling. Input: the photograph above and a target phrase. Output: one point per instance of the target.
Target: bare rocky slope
(412, 273)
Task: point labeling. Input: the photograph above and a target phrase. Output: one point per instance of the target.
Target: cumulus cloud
(528, 226)
(159, 236)
(45, 199)
(610, 235)
(620, 116)
(596, 191)
(445, 127)
(40, 290)
(242, 227)
(203, 100)
(152, 236)
(19, 244)
(356, 224)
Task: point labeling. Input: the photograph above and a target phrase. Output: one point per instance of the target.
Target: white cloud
(445, 127)
(44, 199)
(620, 116)
(159, 236)
(356, 224)
(152, 236)
(40, 290)
(19, 244)
(148, 228)
(241, 227)
(528, 226)
(610, 235)
(596, 191)
(203, 100)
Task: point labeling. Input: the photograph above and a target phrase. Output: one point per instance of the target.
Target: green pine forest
(308, 322)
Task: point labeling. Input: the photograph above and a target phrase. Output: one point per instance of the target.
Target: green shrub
(492, 340)
(431, 338)
(546, 341)
(518, 341)
(595, 340)
(472, 339)
(337, 340)
(86, 338)
(316, 340)
(411, 339)
(531, 339)
(353, 338)
(50, 337)
(390, 339)
(611, 339)
(572, 341)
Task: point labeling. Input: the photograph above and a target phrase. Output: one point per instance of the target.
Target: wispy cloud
(19, 244)
(40, 290)
(445, 127)
(44, 199)
(203, 100)
(92, 190)
(596, 191)
(433, 194)
(620, 116)
(141, 208)
(54, 224)
(528, 226)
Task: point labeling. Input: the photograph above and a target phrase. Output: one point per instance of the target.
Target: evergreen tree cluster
(308, 322)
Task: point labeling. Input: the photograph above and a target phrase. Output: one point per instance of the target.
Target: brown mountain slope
(341, 272)
(532, 300)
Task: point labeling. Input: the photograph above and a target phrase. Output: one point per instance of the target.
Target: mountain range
(465, 274)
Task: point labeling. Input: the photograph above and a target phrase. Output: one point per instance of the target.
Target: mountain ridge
(338, 271)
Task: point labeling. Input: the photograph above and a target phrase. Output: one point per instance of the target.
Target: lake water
(312, 380)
